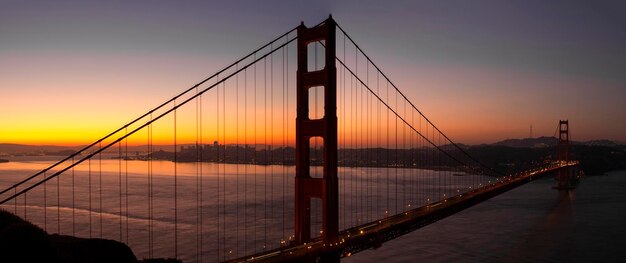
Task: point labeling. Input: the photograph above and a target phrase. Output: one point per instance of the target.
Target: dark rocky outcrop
(21, 241)
(74, 249)
(161, 260)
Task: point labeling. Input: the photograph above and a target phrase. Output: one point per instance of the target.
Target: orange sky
(69, 79)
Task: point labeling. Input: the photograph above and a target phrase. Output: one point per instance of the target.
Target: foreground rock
(74, 249)
(21, 241)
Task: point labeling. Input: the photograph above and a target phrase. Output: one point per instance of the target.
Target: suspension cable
(411, 103)
(77, 153)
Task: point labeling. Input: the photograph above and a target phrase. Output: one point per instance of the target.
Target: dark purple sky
(482, 70)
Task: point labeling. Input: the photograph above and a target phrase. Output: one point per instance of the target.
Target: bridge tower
(565, 176)
(563, 141)
(307, 187)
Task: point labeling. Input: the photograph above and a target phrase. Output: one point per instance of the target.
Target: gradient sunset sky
(482, 71)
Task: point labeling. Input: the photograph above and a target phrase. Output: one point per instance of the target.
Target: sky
(482, 71)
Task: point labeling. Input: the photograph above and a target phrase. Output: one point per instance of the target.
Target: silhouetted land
(596, 158)
(21, 241)
(508, 156)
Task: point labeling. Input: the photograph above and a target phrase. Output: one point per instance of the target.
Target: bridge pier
(567, 178)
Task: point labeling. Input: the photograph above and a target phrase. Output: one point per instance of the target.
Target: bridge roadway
(373, 234)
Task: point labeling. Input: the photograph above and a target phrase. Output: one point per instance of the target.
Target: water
(532, 223)
(244, 208)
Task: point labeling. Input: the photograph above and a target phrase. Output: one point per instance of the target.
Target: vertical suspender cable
(224, 168)
(150, 191)
(25, 202)
(45, 205)
(119, 158)
(245, 167)
(197, 166)
(90, 209)
(100, 187)
(387, 151)
(396, 162)
(58, 206)
(73, 201)
(378, 144)
(175, 185)
(237, 224)
(255, 157)
(342, 177)
(368, 196)
(265, 146)
(403, 182)
(15, 200)
(217, 166)
(284, 146)
(271, 143)
(126, 180)
(200, 175)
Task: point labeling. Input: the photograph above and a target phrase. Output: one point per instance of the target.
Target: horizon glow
(72, 71)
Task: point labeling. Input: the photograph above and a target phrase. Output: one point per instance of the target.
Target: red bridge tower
(566, 176)
(307, 187)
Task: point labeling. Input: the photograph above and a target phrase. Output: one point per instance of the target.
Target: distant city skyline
(71, 71)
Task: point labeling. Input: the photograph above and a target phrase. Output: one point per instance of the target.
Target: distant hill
(553, 141)
(529, 142)
(12, 148)
(607, 143)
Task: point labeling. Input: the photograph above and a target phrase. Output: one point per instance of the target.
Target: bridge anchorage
(366, 168)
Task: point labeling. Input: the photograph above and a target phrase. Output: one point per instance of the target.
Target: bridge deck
(373, 234)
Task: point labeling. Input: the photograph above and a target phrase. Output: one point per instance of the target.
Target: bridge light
(361, 231)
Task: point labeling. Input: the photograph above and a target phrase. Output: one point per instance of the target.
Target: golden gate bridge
(243, 167)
